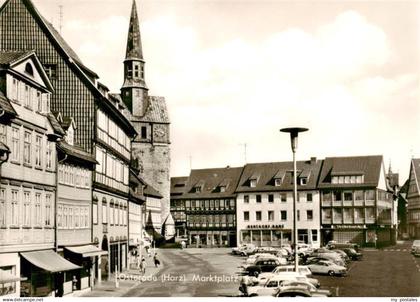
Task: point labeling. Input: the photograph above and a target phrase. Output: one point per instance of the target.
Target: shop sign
(266, 226)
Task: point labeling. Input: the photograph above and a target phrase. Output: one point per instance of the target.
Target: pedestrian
(143, 266)
(157, 262)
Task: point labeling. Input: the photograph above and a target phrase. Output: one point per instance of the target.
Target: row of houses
(339, 198)
(84, 172)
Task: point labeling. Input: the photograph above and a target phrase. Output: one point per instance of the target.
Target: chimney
(313, 160)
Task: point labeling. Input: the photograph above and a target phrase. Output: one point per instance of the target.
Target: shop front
(84, 256)
(212, 238)
(262, 236)
(46, 273)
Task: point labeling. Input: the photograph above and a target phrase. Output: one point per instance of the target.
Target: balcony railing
(337, 203)
(348, 220)
(326, 220)
(359, 220)
(370, 220)
(347, 203)
(326, 203)
(369, 202)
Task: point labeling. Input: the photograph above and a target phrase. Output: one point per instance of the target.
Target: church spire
(134, 91)
(134, 47)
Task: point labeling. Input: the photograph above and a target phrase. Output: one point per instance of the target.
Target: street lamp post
(294, 141)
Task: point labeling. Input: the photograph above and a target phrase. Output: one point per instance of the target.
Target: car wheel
(253, 295)
(331, 273)
(255, 273)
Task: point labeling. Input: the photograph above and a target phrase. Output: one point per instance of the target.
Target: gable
(413, 187)
(382, 179)
(36, 75)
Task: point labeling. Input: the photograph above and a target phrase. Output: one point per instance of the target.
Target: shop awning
(86, 250)
(6, 277)
(49, 260)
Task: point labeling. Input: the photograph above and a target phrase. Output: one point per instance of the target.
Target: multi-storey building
(356, 201)
(413, 200)
(264, 205)
(136, 210)
(28, 179)
(209, 201)
(149, 115)
(102, 129)
(178, 205)
(74, 209)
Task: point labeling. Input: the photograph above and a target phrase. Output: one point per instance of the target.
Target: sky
(234, 72)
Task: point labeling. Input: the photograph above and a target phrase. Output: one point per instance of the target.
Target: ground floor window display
(212, 238)
(375, 237)
(278, 237)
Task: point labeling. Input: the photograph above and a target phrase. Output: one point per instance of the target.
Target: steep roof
(368, 166)
(8, 57)
(266, 173)
(6, 105)
(134, 48)
(178, 185)
(157, 111)
(210, 181)
(76, 153)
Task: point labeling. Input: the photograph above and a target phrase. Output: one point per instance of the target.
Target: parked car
(293, 291)
(415, 248)
(261, 266)
(334, 257)
(338, 245)
(311, 288)
(251, 259)
(267, 249)
(327, 267)
(312, 260)
(270, 286)
(304, 249)
(343, 255)
(353, 254)
(244, 250)
(302, 270)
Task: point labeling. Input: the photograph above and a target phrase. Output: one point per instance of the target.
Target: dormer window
(197, 189)
(253, 182)
(70, 136)
(303, 181)
(222, 189)
(277, 182)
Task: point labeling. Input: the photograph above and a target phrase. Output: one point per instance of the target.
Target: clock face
(160, 132)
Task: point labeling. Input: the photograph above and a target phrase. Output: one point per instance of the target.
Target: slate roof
(210, 179)
(178, 185)
(156, 111)
(55, 124)
(137, 182)
(6, 105)
(369, 166)
(76, 152)
(8, 57)
(265, 174)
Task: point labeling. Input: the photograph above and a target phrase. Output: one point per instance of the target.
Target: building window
(59, 216)
(38, 148)
(111, 214)
(258, 215)
(303, 181)
(15, 90)
(197, 189)
(51, 71)
(270, 198)
(314, 235)
(27, 102)
(15, 208)
(283, 215)
(49, 160)
(222, 189)
(8, 288)
(246, 216)
(337, 196)
(27, 147)
(104, 212)
(37, 218)
(143, 132)
(348, 196)
(277, 182)
(246, 198)
(2, 207)
(309, 215)
(309, 197)
(253, 183)
(370, 194)
(15, 144)
(283, 197)
(270, 215)
(258, 198)
(48, 211)
(95, 213)
(26, 208)
(298, 215)
(3, 134)
(38, 100)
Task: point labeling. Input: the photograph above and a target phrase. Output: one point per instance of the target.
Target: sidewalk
(128, 280)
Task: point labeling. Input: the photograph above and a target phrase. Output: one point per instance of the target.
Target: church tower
(134, 91)
(150, 118)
